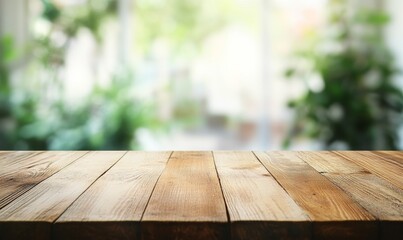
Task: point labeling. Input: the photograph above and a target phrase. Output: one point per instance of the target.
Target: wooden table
(201, 195)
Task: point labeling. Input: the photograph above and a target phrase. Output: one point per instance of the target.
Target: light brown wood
(22, 171)
(44, 203)
(13, 160)
(187, 202)
(258, 206)
(385, 168)
(394, 155)
(112, 207)
(378, 196)
(331, 209)
(329, 162)
(201, 195)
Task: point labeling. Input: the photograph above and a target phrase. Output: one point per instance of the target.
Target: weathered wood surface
(43, 204)
(112, 207)
(258, 206)
(386, 168)
(331, 209)
(21, 171)
(187, 202)
(201, 195)
(375, 194)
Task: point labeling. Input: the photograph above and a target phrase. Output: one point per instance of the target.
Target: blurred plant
(351, 100)
(14, 115)
(65, 23)
(107, 119)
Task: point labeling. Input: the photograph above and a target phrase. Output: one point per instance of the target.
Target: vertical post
(125, 37)
(264, 126)
(14, 21)
(2, 16)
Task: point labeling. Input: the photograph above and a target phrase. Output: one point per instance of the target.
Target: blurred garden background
(201, 75)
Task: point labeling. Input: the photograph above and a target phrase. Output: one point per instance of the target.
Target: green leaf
(50, 11)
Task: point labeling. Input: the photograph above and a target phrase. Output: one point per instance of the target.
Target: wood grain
(201, 195)
(378, 196)
(44, 203)
(386, 168)
(329, 162)
(15, 159)
(112, 207)
(187, 202)
(258, 206)
(334, 213)
(393, 155)
(22, 171)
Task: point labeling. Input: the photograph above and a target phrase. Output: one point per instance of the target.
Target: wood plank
(22, 172)
(187, 202)
(112, 207)
(38, 208)
(334, 214)
(9, 159)
(385, 168)
(258, 206)
(378, 196)
(329, 162)
(394, 155)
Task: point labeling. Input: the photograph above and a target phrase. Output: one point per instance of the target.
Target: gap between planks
(313, 192)
(187, 202)
(386, 168)
(222, 189)
(376, 195)
(39, 207)
(258, 206)
(111, 208)
(22, 171)
(89, 186)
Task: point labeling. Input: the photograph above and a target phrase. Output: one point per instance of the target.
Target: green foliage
(107, 119)
(50, 11)
(67, 22)
(183, 23)
(351, 98)
(177, 19)
(6, 54)
(15, 117)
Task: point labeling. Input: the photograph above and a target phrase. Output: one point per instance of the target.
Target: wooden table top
(201, 195)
